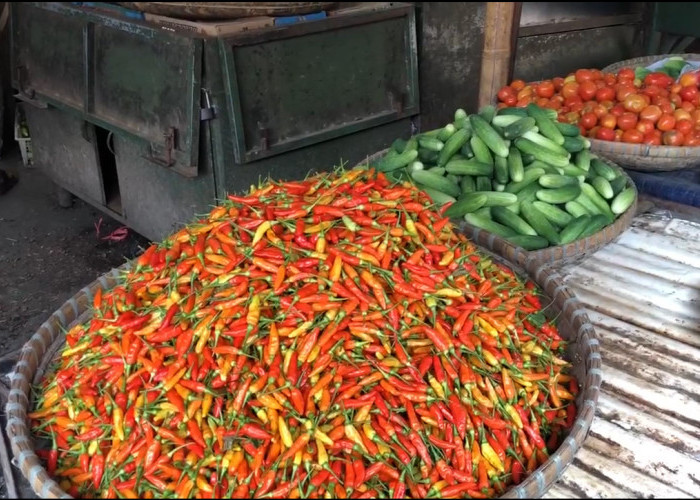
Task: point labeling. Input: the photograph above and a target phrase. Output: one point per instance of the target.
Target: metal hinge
(207, 112)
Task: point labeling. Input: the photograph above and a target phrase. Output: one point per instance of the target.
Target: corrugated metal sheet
(643, 296)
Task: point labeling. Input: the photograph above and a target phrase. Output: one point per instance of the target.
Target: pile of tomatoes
(618, 106)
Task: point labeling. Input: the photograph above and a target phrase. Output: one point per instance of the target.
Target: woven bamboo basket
(644, 157)
(572, 252)
(227, 10)
(572, 320)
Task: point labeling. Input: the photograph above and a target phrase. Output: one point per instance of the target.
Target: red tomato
(672, 138)
(587, 90)
(610, 79)
(545, 89)
(618, 135)
(689, 79)
(684, 126)
(558, 82)
(633, 136)
(570, 89)
(627, 121)
(666, 122)
(605, 94)
(623, 91)
(652, 139)
(675, 88)
(542, 102)
(517, 85)
(688, 93)
(605, 134)
(583, 75)
(505, 92)
(651, 113)
(682, 114)
(572, 117)
(659, 79)
(588, 120)
(691, 141)
(645, 126)
(608, 121)
(617, 109)
(524, 101)
(675, 100)
(625, 74)
(634, 103)
(510, 101)
(596, 74)
(688, 106)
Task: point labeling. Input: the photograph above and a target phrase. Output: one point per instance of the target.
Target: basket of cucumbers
(519, 179)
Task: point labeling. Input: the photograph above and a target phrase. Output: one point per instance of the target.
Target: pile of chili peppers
(327, 338)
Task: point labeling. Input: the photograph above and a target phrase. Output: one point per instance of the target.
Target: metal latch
(169, 144)
(207, 112)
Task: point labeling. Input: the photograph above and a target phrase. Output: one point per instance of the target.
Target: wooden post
(500, 35)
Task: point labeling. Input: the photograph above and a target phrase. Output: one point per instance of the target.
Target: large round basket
(562, 253)
(644, 157)
(226, 10)
(560, 303)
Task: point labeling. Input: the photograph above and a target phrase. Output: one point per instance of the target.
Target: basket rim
(646, 150)
(645, 60)
(582, 331)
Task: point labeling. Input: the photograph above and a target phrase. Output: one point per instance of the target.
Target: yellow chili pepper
(303, 328)
(448, 292)
(447, 258)
(436, 387)
(514, 416)
(286, 436)
(491, 457)
(253, 315)
(174, 379)
(117, 422)
(351, 432)
(260, 232)
(487, 326)
(322, 454)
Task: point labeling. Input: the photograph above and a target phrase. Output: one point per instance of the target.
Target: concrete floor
(47, 254)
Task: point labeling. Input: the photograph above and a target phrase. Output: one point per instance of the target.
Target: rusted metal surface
(643, 296)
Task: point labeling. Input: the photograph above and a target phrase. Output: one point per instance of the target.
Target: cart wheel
(65, 198)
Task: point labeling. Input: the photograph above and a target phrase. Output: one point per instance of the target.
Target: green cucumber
(427, 156)
(489, 136)
(437, 170)
(504, 120)
(518, 128)
(463, 124)
(530, 176)
(583, 160)
(436, 182)
(515, 207)
(399, 145)
(618, 184)
(497, 186)
(453, 144)
(574, 229)
(431, 143)
(500, 169)
(508, 218)
(488, 112)
(574, 144)
(528, 242)
(466, 204)
(623, 200)
(548, 169)
(481, 150)
(460, 114)
(521, 112)
(468, 167)
(576, 209)
(527, 158)
(599, 201)
(454, 178)
(545, 123)
(546, 143)
(447, 132)
(603, 187)
(528, 193)
(484, 212)
(416, 165)
(489, 225)
(516, 171)
(483, 183)
(539, 222)
(389, 163)
(586, 203)
(596, 223)
(603, 169)
(467, 150)
(559, 195)
(497, 198)
(554, 214)
(574, 171)
(557, 181)
(438, 197)
(543, 154)
(467, 184)
(567, 129)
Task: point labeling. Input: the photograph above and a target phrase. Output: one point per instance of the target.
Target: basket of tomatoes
(643, 119)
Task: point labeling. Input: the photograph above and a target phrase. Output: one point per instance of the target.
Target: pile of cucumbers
(516, 172)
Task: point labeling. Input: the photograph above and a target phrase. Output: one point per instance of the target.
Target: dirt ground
(47, 254)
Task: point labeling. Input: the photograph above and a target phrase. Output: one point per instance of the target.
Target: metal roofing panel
(643, 296)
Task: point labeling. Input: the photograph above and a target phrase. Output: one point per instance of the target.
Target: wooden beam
(499, 47)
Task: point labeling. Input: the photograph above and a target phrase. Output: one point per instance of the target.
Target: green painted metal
(322, 89)
(674, 27)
